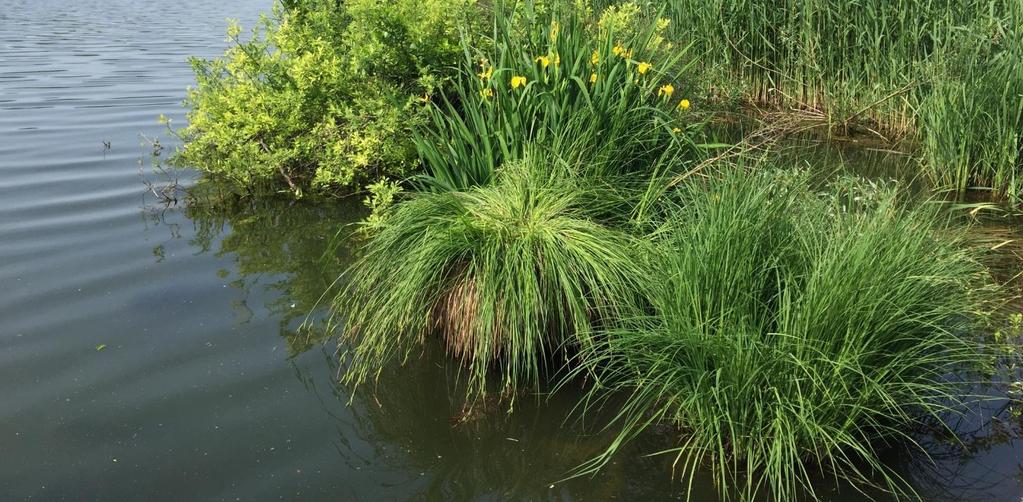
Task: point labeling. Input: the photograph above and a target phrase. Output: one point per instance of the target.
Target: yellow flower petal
(595, 57)
(593, 78)
(683, 105)
(666, 90)
(518, 81)
(643, 67)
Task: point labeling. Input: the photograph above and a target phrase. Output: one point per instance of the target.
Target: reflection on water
(292, 251)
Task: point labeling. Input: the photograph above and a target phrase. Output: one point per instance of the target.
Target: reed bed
(943, 75)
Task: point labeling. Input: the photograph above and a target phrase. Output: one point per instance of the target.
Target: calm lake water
(153, 353)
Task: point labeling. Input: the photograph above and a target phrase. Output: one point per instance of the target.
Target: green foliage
(559, 80)
(785, 332)
(323, 96)
(793, 334)
(830, 55)
(972, 118)
(382, 195)
(945, 74)
(508, 274)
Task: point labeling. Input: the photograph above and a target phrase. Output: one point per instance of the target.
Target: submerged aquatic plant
(792, 335)
(507, 274)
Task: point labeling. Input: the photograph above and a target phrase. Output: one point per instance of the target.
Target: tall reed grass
(943, 74)
(792, 335)
(971, 120)
(824, 54)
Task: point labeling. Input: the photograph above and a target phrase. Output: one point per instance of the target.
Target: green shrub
(324, 95)
(558, 79)
(508, 275)
(793, 335)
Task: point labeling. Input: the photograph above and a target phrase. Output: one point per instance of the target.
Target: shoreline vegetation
(549, 197)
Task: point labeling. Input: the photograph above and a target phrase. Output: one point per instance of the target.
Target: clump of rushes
(559, 79)
(792, 335)
(508, 275)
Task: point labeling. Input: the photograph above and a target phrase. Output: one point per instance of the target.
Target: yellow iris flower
(666, 90)
(518, 81)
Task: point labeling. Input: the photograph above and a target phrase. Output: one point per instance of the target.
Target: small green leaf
(101, 346)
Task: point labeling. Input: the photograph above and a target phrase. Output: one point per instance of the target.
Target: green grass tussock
(508, 275)
(793, 335)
